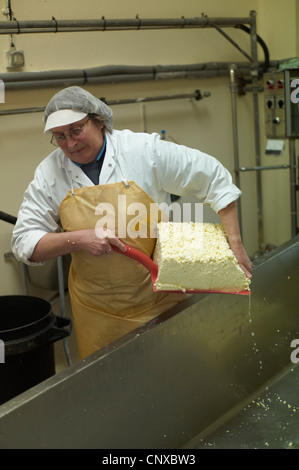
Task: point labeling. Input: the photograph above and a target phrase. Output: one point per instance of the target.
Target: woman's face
(84, 148)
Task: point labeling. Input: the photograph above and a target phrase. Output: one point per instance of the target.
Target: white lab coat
(159, 167)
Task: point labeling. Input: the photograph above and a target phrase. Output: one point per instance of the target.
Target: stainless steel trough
(176, 381)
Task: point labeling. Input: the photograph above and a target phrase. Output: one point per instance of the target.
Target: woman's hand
(96, 242)
(242, 258)
(99, 241)
(229, 218)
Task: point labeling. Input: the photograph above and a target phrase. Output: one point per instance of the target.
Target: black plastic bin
(29, 329)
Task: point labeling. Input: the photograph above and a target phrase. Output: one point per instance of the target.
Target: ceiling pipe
(120, 74)
(103, 24)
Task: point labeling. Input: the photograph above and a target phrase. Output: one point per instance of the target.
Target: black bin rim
(23, 315)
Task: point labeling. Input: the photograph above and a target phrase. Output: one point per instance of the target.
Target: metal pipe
(125, 78)
(234, 90)
(62, 305)
(233, 42)
(24, 277)
(196, 95)
(292, 157)
(112, 74)
(260, 168)
(156, 71)
(11, 112)
(103, 24)
(8, 218)
(254, 73)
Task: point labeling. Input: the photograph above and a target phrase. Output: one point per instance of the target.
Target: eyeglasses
(74, 133)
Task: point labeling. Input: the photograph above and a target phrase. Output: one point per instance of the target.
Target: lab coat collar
(109, 160)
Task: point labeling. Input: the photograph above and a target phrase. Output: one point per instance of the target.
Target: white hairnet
(80, 100)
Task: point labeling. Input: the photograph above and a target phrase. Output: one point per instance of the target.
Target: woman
(100, 171)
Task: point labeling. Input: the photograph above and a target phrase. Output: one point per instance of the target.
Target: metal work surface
(164, 384)
(269, 421)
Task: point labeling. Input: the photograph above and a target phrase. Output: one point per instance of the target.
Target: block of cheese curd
(196, 256)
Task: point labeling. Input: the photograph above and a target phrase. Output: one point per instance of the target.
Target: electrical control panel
(281, 91)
